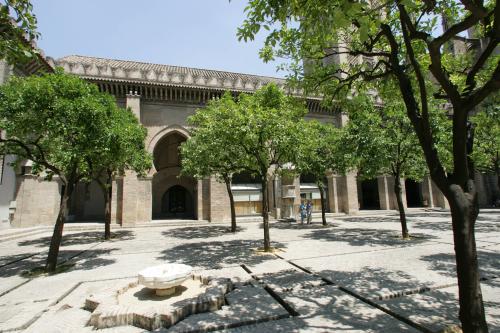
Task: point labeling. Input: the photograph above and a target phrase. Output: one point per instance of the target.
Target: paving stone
(16, 316)
(327, 308)
(62, 320)
(437, 309)
(290, 280)
(246, 305)
(361, 252)
(270, 265)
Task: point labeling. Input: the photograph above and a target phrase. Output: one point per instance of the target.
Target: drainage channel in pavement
(364, 299)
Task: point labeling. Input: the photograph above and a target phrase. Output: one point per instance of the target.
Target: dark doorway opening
(413, 193)
(369, 194)
(177, 203)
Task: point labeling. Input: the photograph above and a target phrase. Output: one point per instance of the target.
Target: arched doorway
(177, 202)
(173, 195)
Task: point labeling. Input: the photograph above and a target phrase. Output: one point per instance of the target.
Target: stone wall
(37, 201)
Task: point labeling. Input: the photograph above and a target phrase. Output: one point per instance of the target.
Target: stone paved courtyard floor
(356, 275)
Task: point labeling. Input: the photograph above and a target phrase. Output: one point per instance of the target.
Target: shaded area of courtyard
(356, 274)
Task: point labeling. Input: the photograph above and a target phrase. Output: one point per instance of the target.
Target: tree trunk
(323, 208)
(55, 242)
(265, 215)
(108, 193)
(231, 202)
(464, 211)
(401, 207)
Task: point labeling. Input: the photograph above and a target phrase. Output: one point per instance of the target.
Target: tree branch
(471, 76)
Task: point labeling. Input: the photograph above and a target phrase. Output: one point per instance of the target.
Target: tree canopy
(122, 149)
(17, 31)
(335, 47)
(266, 127)
(486, 150)
(60, 123)
(319, 151)
(210, 151)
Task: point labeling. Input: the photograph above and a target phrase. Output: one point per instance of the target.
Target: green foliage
(320, 150)
(18, 30)
(210, 150)
(382, 139)
(313, 30)
(56, 120)
(266, 127)
(486, 149)
(121, 146)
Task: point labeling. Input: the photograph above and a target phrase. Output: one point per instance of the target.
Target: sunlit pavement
(355, 275)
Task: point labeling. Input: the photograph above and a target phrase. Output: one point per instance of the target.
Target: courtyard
(354, 275)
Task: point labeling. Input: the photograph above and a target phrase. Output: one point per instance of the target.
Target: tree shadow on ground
(483, 224)
(330, 309)
(378, 283)
(299, 226)
(374, 282)
(85, 260)
(368, 237)
(80, 238)
(200, 232)
(372, 219)
(9, 259)
(445, 264)
(218, 254)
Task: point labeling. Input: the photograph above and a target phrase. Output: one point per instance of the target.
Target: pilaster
(219, 202)
(137, 199)
(334, 200)
(383, 193)
(349, 193)
(134, 103)
(427, 192)
(117, 201)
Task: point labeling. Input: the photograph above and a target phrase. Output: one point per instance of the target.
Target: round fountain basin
(164, 278)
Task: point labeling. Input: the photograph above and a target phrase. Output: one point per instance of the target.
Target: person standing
(309, 208)
(303, 212)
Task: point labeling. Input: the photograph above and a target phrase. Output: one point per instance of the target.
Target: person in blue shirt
(303, 212)
(309, 209)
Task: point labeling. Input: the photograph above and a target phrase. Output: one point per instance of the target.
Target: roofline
(176, 66)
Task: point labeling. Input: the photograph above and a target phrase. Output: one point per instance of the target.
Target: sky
(191, 33)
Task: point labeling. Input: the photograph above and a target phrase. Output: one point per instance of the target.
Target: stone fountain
(172, 292)
(164, 278)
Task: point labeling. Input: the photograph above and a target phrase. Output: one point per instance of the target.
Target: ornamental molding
(137, 72)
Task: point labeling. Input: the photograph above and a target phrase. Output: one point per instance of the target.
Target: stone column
(219, 202)
(483, 195)
(427, 193)
(134, 103)
(347, 185)
(296, 200)
(334, 200)
(137, 199)
(383, 193)
(117, 201)
(349, 193)
(276, 199)
(206, 199)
